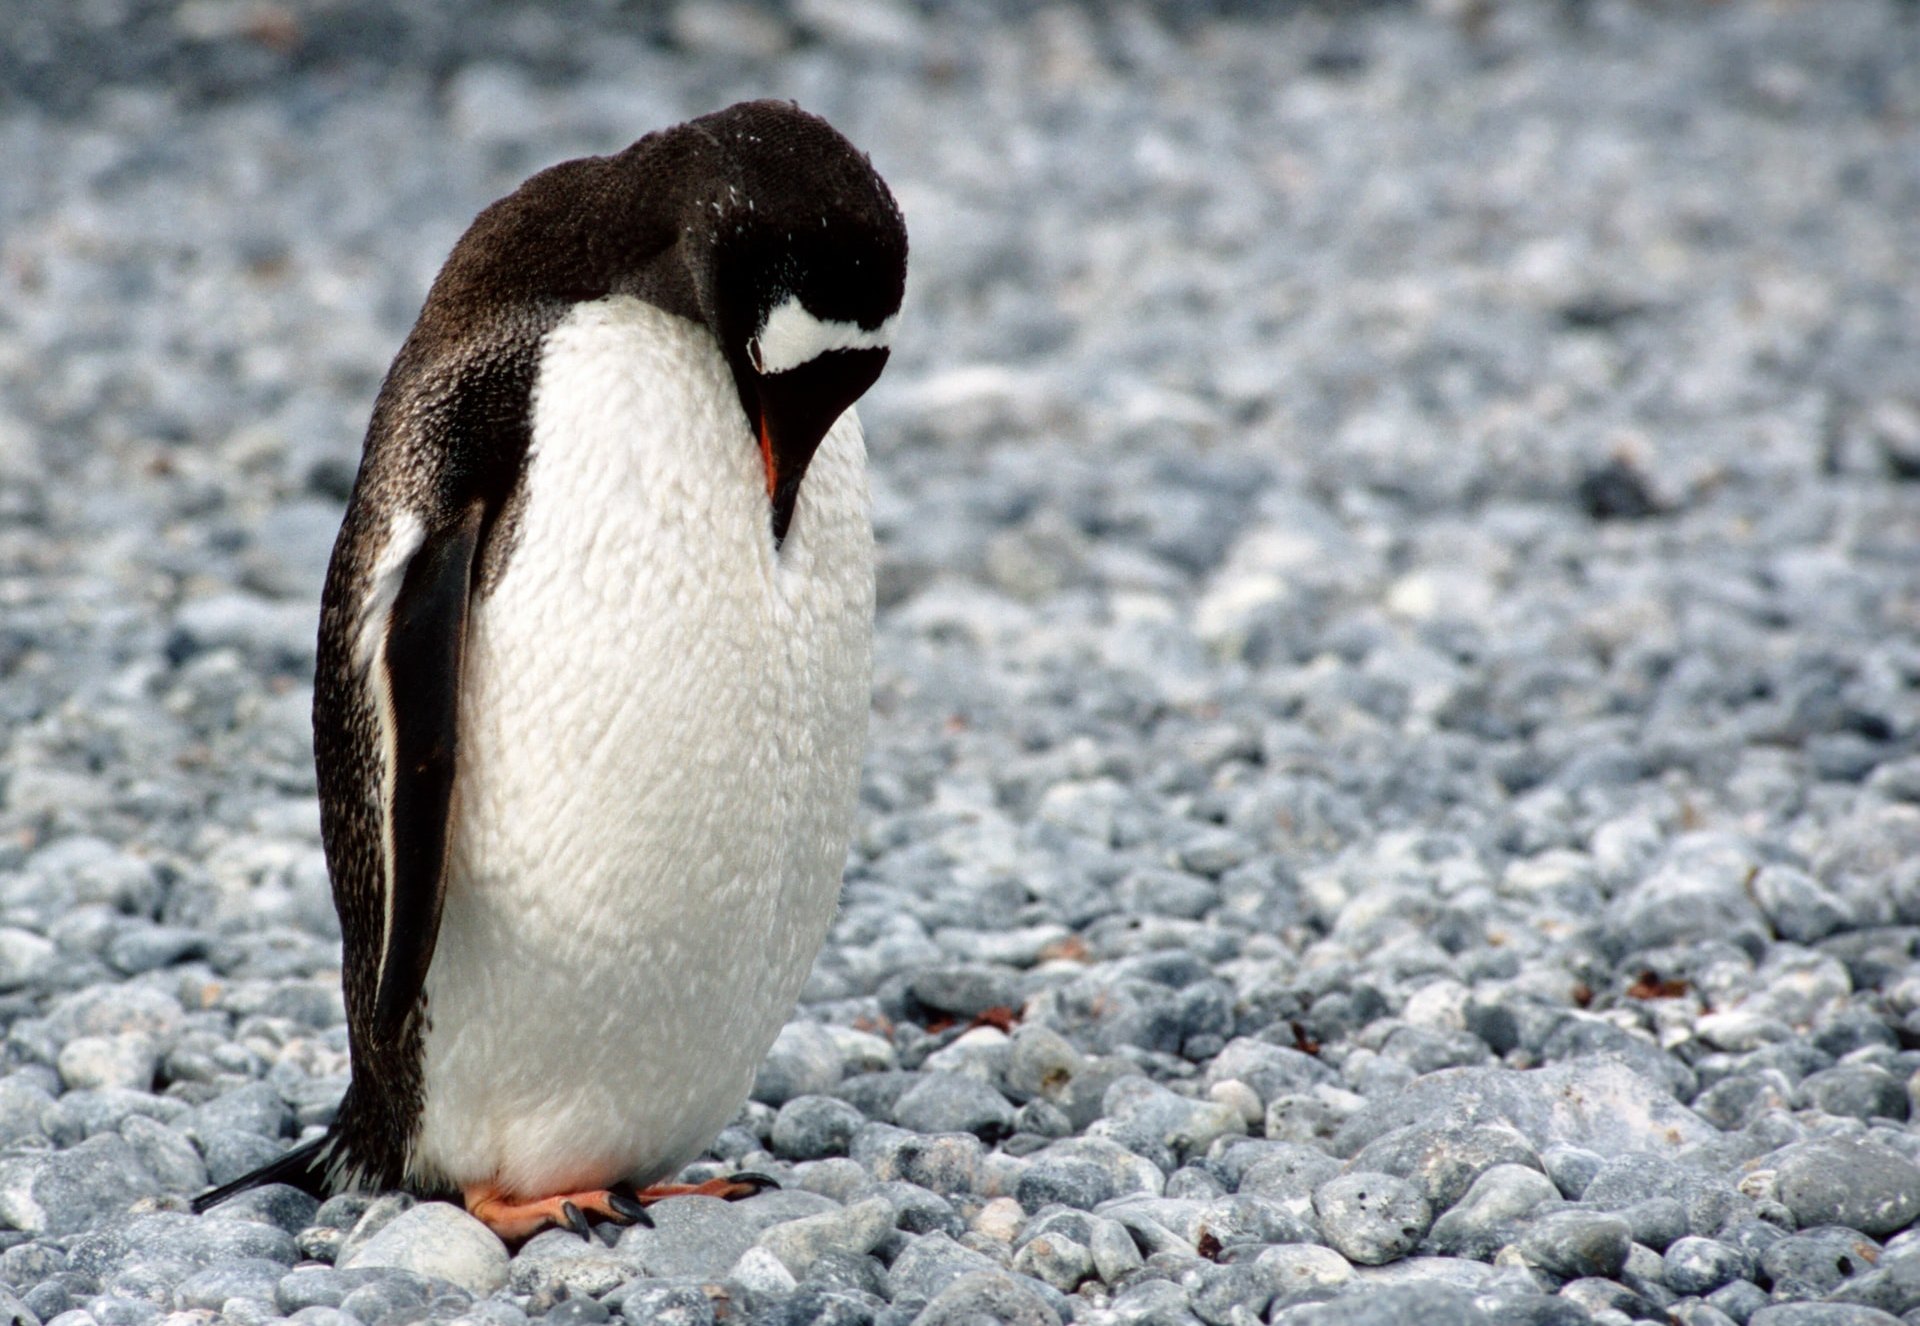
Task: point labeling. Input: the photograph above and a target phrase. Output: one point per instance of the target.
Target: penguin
(593, 672)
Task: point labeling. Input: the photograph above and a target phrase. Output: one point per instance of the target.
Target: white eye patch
(791, 336)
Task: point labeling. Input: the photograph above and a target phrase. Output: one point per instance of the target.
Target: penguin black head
(801, 259)
(760, 222)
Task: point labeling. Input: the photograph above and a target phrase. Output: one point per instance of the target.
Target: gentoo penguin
(593, 668)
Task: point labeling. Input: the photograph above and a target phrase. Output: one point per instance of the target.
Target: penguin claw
(571, 1217)
(760, 1182)
(629, 1209)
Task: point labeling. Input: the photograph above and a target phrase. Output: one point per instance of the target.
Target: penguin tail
(306, 1167)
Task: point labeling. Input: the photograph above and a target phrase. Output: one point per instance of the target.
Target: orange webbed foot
(731, 1188)
(514, 1220)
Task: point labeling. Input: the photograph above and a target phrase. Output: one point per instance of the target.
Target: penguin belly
(660, 729)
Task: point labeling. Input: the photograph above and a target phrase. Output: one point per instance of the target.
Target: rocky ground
(1395, 781)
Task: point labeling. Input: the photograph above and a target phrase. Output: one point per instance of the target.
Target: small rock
(1443, 1158)
(63, 1192)
(254, 1278)
(928, 1265)
(1152, 1121)
(1271, 1070)
(803, 1061)
(1821, 1314)
(126, 1061)
(1857, 1091)
(1577, 1244)
(857, 1228)
(439, 1240)
(1371, 1218)
(987, 1296)
(965, 992)
(812, 1127)
(1814, 1262)
(759, 1271)
(559, 1259)
(321, 1286)
(1302, 1271)
(945, 1163)
(1083, 1172)
(1041, 1064)
(1571, 1168)
(1056, 1258)
(1701, 1265)
(1488, 1216)
(1849, 1182)
(690, 1236)
(952, 1103)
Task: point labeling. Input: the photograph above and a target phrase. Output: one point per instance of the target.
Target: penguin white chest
(660, 729)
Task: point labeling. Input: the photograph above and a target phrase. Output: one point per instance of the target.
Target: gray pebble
(126, 1060)
(1657, 1222)
(1395, 1305)
(667, 1302)
(857, 1228)
(1488, 1216)
(1739, 1300)
(1700, 1265)
(1057, 1258)
(811, 1127)
(1821, 1314)
(1041, 1064)
(1857, 1091)
(387, 1296)
(1442, 1159)
(66, 1191)
(1084, 1172)
(1577, 1244)
(165, 1153)
(557, 1261)
(439, 1240)
(323, 1286)
(1371, 1218)
(987, 1296)
(1698, 1312)
(928, 1265)
(952, 1103)
(693, 1236)
(1814, 1262)
(255, 1279)
(1285, 1171)
(944, 1163)
(1848, 1182)
(965, 991)
(804, 1061)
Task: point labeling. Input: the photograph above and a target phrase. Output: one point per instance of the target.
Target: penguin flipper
(424, 645)
(304, 1167)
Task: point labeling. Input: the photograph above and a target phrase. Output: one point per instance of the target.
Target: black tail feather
(304, 1167)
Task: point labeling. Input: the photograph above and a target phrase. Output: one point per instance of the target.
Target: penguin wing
(419, 666)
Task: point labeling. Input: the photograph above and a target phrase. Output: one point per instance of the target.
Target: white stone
(437, 1239)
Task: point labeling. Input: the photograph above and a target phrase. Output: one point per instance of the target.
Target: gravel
(1398, 666)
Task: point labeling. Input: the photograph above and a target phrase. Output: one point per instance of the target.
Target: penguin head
(799, 255)
(759, 222)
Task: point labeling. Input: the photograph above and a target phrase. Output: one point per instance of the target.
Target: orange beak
(767, 458)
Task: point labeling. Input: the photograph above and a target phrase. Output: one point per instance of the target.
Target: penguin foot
(515, 1220)
(730, 1189)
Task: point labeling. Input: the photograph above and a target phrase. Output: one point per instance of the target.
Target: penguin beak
(795, 409)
